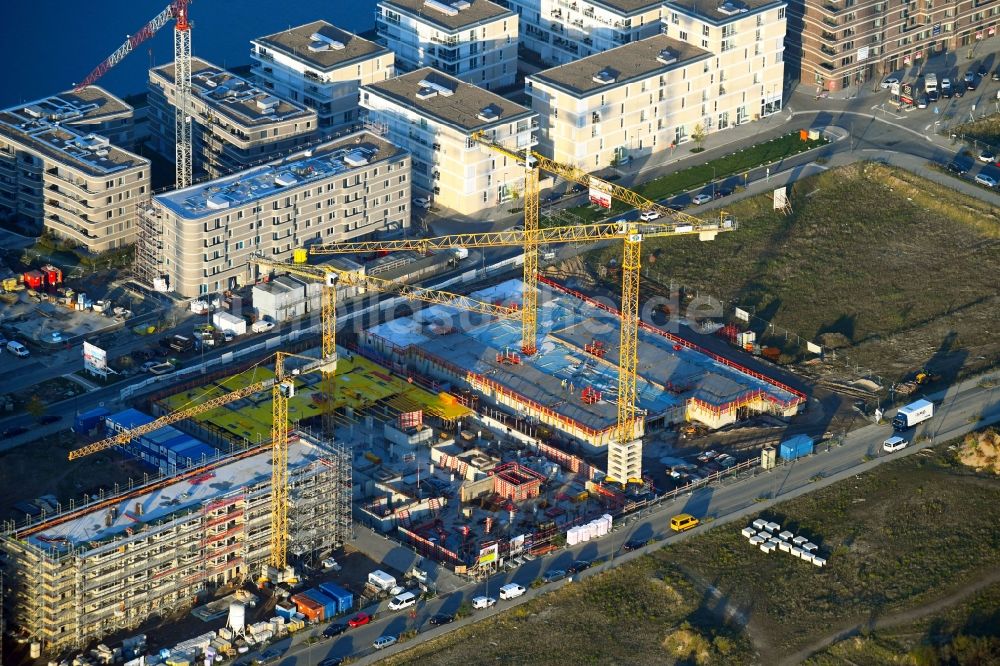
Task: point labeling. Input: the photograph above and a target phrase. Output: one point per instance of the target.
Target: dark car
(578, 566)
(722, 192)
(932, 96)
(332, 661)
(970, 80)
(552, 198)
(14, 432)
(957, 168)
(579, 187)
(959, 88)
(50, 418)
(553, 575)
(442, 618)
(335, 630)
(634, 544)
(946, 93)
(141, 355)
(996, 74)
(982, 71)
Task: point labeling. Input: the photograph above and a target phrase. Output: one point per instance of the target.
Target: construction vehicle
(177, 10)
(925, 376)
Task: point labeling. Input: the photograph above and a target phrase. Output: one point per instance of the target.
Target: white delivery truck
(912, 414)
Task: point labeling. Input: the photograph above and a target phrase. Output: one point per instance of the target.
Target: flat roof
(632, 62)
(213, 197)
(235, 97)
(56, 127)
(190, 492)
(432, 93)
(719, 12)
(452, 15)
(627, 7)
(322, 45)
(554, 377)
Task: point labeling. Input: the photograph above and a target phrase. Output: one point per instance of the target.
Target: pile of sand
(688, 645)
(982, 451)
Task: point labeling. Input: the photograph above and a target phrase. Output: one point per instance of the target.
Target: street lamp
(713, 182)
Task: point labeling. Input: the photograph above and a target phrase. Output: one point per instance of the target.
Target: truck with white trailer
(930, 83)
(912, 414)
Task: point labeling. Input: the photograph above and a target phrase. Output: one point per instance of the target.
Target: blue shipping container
(328, 604)
(345, 600)
(796, 447)
(86, 422)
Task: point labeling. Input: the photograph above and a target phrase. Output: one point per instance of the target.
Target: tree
(698, 135)
(35, 407)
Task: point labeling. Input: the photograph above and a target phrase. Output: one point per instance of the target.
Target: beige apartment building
(747, 42)
(321, 66)
(473, 40)
(235, 123)
(562, 31)
(836, 44)
(199, 240)
(434, 117)
(61, 168)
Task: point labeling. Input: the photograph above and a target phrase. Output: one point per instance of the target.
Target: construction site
(110, 564)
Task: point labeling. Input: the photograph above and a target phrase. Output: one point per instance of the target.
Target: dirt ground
(888, 271)
(40, 468)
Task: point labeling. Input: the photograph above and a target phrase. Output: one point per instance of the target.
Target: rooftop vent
(355, 158)
(489, 113)
(285, 179)
(217, 201)
(732, 7)
(605, 76)
(667, 57)
(426, 93)
(33, 111)
(451, 9)
(320, 42)
(267, 103)
(92, 142)
(441, 88)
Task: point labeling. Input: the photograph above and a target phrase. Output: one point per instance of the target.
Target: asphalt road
(961, 409)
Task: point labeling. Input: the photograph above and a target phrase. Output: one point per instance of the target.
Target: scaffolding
(148, 264)
(68, 592)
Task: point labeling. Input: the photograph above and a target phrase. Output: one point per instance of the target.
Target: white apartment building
(561, 31)
(199, 240)
(631, 101)
(320, 66)
(747, 39)
(434, 117)
(61, 168)
(473, 40)
(235, 123)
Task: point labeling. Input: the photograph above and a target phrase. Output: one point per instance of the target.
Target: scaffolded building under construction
(112, 563)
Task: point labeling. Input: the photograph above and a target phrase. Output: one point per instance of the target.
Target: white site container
(785, 536)
(759, 524)
(608, 520)
(767, 547)
(572, 536)
(748, 532)
(773, 528)
(799, 540)
(797, 552)
(808, 557)
(810, 546)
(784, 546)
(756, 540)
(819, 561)
(601, 527)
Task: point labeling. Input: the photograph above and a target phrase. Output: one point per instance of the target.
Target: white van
(17, 349)
(511, 591)
(401, 601)
(894, 444)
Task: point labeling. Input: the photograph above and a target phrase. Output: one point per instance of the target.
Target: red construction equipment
(508, 357)
(590, 396)
(597, 348)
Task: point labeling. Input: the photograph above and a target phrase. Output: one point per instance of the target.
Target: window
(781, 13)
(704, 30)
(683, 36)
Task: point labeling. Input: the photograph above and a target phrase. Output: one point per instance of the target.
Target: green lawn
(700, 174)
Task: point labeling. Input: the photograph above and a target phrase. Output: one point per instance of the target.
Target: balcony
(827, 50)
(262, 55)
(828, 37)
(831, 22)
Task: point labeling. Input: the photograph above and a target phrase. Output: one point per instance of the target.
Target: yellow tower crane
(625, 452)
(282, 388)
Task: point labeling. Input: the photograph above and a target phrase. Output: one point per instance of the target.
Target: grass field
(985, 129)
(967, 633)
(899, 536)
(874, 258)
(640, 613)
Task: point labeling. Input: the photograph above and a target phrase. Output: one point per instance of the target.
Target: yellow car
(683, 521)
